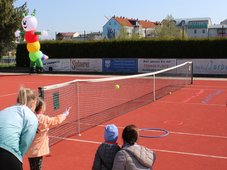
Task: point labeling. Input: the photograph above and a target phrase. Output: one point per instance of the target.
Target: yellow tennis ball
(117, 86)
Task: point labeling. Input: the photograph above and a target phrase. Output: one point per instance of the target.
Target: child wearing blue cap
(105, 153)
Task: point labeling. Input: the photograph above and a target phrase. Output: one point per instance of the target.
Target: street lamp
(183, 28)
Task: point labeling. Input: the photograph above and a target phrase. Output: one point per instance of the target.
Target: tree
(10, 21)
(123, 34)
(168, 30)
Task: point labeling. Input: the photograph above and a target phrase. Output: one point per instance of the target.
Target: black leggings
(35, 163)
(8, 161)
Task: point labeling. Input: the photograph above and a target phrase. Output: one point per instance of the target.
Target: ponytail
(25, 96)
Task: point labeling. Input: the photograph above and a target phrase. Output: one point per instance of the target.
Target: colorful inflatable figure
(29, 24)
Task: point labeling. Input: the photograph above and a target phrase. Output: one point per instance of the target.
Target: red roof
(123, 21)
(131, 22)
(147, 24)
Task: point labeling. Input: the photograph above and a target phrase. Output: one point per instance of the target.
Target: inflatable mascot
(29, 24)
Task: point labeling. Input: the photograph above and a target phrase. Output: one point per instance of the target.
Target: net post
(191, 65)
(154, 86)
(41, 92)
(78, 107)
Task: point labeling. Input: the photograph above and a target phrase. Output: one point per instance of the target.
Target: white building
(113, 27)
(194, 27)
(224, 22)
(217, 31)
(66, 35)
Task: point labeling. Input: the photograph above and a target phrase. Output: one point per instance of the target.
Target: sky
(91, 15)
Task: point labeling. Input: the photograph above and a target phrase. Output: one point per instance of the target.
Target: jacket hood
(144, 155)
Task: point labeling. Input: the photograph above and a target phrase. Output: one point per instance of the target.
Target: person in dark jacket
(133, 156)
(105, 153)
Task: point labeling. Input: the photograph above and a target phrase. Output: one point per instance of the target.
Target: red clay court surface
(196, 117)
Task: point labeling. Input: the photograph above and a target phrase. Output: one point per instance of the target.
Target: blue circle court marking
(164, 132)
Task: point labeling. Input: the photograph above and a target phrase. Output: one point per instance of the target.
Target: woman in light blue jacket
(18, 125)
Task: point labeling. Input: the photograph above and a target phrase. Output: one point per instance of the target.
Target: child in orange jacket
(40, 145)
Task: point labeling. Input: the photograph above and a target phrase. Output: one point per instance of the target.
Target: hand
(44, 33)
(17, 33)
(66, 112)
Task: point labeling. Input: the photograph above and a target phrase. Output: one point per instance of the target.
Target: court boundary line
(171, 102)
(185, 133)
(158, 150)
(171, 132)
(196, 87)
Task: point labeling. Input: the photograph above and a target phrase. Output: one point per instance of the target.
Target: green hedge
(128, 49)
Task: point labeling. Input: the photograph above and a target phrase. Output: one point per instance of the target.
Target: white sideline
(158, 150)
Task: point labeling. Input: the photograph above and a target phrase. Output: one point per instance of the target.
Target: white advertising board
(207, 66)
(86, 65)
(56, 65)
(150, 65)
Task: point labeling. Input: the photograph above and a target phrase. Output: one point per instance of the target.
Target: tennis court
(195, 116)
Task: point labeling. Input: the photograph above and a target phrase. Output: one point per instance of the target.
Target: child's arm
(51, 121)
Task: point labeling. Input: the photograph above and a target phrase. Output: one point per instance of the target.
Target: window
(204, 31)
(195, 31)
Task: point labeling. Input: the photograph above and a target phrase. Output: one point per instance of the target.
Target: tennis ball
(117, 86)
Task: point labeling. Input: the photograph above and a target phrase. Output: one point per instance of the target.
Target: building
(66, 35)
(115, 25)
(224, 22)
(217, 31)
(194, 27)
(89, 36)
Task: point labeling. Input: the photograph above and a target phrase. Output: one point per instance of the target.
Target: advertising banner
(120, 65)
(207, 66)
(151, 65)
(86, 65)
(56, 65)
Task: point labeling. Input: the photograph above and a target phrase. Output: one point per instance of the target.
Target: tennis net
(95, 101)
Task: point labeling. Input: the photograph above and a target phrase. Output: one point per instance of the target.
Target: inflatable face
(29, 23)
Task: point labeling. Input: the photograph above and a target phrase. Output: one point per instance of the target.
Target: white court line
(201, 135)
(169, 102)
(158, 150)
(10, 94)
(197, 87)
(178, 133)
(183, 133)
(209, 79)
(191, 154)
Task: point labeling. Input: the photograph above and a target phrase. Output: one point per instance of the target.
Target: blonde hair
(41, 105)
(25, 96)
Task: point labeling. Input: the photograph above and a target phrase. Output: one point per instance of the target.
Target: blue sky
(90, 15)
